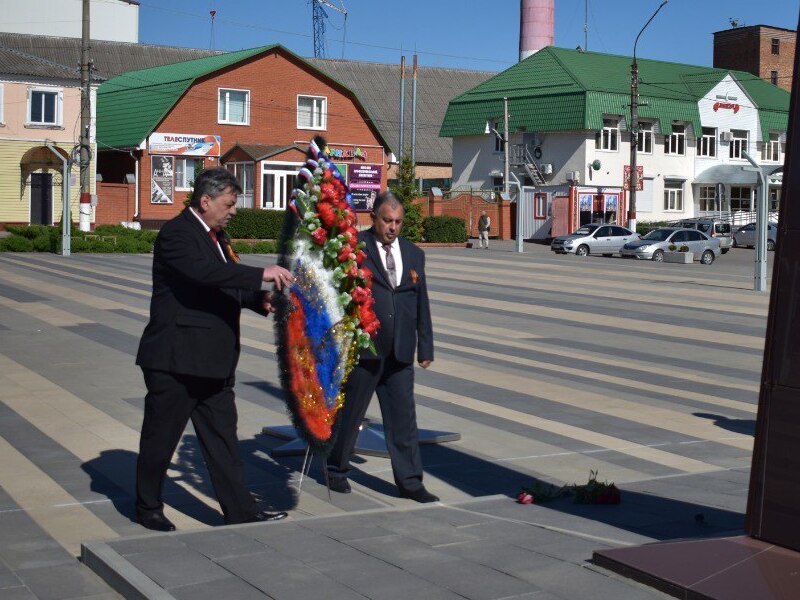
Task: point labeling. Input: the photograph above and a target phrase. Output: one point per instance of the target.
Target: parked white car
(593, 239)
(747, 236)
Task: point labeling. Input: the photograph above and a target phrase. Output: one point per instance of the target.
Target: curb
(121, 575)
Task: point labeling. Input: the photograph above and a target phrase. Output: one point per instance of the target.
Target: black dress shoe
(339, 484)
(263, 517)
(155, 521)
(419, 495)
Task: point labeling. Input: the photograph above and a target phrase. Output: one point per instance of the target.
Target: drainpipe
(135, 186)
(66, 219)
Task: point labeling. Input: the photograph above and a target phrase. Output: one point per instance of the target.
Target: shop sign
(184, 144)
(353, 153)
(726, 105)
(626, 177)
(161, 179)
(365, 185)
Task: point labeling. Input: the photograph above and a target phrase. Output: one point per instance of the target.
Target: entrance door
(41, 198)
(276, 188)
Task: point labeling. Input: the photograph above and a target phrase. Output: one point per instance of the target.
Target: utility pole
(414, 114)
(85, 209)
(634, 180)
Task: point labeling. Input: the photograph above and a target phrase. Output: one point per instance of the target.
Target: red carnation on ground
(320, 236)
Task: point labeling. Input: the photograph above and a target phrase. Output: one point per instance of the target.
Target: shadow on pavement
(743, 426)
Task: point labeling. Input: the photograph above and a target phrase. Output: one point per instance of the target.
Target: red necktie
(213, 235)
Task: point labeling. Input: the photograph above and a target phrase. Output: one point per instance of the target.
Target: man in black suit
(401, 305)
(190, 347)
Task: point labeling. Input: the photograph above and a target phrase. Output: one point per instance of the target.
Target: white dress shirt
(398, 259)
(207, 228)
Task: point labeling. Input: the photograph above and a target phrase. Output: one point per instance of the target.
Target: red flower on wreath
(345, 254)
(326, 213)
(320, 236)
(360, 295)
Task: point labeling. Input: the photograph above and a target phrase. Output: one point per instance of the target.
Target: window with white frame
(234, 107)
(675, 143)
(540, 205)
(772, 148)
(185, 169)
(608, 137)
(312, 112)
(644, 139)
(738, 145)
(708, 198)
(44, 106)
(673, 195)
(708, 142)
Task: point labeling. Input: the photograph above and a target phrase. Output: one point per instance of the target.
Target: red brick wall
(750, 49)
(274, 81)
(115, 203)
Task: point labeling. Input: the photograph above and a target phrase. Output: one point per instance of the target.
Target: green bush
(256, 224)
(645, 227)
(30, 231)
(16, 243)
(242, 248)
(451, 230)
(46, 243)
(133, 246)
(264, 248)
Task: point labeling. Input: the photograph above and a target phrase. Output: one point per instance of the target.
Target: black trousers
(170, 402)
(393, 382)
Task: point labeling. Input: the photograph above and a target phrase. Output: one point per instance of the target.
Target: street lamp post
(634, 178)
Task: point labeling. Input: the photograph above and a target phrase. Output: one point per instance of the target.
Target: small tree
(405, 190)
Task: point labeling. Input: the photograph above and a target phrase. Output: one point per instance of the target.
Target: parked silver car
(593, 239)
(654, 244)
(714, 228)
(747, 236)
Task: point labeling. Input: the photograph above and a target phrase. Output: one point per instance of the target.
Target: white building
(569, 143)
(114, 20)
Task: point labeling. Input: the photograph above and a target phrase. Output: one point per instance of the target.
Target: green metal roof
(130, 106)
(565, 90)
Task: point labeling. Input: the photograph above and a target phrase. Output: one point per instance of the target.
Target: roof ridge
(41, 60)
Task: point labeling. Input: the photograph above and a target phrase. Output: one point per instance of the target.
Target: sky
(469, 34)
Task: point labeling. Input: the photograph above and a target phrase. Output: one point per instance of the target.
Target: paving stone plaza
(548, 366)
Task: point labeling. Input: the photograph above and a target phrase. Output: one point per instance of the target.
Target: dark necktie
(390, 268)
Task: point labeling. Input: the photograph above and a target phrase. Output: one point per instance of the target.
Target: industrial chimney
(536, 26)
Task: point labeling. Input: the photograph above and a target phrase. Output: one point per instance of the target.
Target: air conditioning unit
(574, 176)
(546, 169)
(726, 136)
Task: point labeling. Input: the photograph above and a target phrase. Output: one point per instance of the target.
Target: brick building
(765, 51)
(253, 111)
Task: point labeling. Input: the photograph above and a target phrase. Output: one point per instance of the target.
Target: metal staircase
(521, 157)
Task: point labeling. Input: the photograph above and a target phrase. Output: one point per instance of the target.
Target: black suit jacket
(196, 303)
(404, 311)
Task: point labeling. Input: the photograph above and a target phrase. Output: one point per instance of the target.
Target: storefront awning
(735, 175)
(259, 151)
